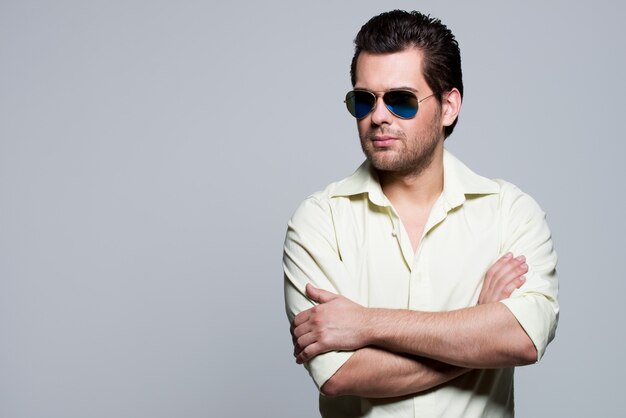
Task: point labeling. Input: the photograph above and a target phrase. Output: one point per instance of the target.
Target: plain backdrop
(151, 153)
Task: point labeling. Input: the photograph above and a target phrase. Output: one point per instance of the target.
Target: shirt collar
(363, 181)
(458, 181)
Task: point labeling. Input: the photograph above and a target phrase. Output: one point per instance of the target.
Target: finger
(502, 261)
(301, 318)
(308, 353)
(319, 295)
(514, 284)
(296, 350)
(305, 341)
(505, 288)
(300, 330)
(520, 269)
(512, 269)
(494, 269)
(300, 343)
(499, 276)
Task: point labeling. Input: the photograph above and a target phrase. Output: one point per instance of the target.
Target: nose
(380, 114)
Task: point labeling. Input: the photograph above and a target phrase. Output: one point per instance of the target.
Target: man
(400, 281)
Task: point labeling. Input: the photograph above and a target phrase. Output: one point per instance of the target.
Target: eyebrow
(414, 90)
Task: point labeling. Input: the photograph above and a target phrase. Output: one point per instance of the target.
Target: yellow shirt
(348, 239)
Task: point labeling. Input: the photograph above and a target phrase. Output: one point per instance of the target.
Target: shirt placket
(421, 295)
(398, 232)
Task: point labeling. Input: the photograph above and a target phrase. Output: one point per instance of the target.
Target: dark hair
(398, 30)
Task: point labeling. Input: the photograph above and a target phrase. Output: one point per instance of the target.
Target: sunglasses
(402, 103)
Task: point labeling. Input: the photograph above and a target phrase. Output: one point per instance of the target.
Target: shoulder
(321, 202)
(517, 202)
(315, 209)
(523, 220)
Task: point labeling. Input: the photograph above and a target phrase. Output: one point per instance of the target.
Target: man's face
(391, 143)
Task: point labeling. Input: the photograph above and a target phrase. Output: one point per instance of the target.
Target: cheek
(419, 126)
(362, 127)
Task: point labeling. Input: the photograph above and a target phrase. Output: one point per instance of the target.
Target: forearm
(375, 373)
(485, 336)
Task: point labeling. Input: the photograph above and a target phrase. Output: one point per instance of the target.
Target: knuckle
(307, 353)
(510, 280)
(317, 320)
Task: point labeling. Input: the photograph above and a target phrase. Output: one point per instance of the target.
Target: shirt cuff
(324, 366)
(537, 317)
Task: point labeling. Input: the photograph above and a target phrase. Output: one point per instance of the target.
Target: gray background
(151, 153)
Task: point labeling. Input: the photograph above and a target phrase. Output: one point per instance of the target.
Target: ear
(450, 106)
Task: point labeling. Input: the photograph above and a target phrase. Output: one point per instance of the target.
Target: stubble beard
(412, 159)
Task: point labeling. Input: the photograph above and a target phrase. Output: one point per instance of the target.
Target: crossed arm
(386, 353)
(399, 352)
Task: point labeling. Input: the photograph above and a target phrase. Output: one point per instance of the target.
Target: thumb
(319, 295)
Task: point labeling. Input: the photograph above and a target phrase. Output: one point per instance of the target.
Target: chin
(384, 164)
(386, 160)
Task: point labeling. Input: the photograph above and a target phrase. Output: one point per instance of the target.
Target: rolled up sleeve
(311, 256)
(525, 232)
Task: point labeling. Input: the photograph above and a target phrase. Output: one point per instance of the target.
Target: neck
(421, 188)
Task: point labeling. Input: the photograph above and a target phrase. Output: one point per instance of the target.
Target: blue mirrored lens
(361, 109)
(360, 103)
(401, 103)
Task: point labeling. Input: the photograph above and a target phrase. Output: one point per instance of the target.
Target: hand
(506, 275)
(336, 323)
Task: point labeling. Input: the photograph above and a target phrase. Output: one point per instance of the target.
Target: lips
(383, 141)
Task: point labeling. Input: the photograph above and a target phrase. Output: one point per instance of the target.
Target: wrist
(372, 328)
(387, 326)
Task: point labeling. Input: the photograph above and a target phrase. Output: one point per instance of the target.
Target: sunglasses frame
(382, 94)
